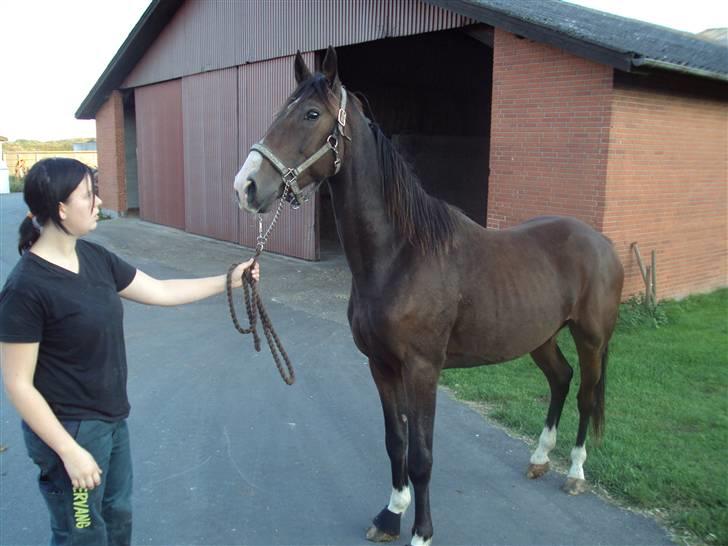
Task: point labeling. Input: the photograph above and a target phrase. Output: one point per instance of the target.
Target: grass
(16, 184)
(666, 431)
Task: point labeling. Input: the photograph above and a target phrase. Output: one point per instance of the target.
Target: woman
(63, 353)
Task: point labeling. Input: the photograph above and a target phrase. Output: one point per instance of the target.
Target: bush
(636, 313)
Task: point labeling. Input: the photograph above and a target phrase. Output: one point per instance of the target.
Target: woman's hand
(82, 468)
(237, 277)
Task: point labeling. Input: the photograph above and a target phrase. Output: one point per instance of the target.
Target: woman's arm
(18, 362)
(151, 291)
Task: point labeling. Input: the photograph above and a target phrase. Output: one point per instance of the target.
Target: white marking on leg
(546, 442)
(399, 500)
(578, 456)
(417, 540)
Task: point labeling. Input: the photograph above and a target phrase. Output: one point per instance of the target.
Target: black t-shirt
(78, 320)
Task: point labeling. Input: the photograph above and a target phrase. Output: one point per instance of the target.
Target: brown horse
(431, 289)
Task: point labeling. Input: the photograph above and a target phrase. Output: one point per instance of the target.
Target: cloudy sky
(55, 50)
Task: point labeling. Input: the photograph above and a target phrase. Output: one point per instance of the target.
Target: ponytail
(29, 233)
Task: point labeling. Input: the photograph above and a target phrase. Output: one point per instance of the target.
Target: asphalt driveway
(226, 454)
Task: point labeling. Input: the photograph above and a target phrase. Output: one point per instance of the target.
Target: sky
(54, 51)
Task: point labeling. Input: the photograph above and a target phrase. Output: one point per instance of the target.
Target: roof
(149, 26)
(623, 43)
(611, 39)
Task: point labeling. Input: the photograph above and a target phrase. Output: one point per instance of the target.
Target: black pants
(96, 517)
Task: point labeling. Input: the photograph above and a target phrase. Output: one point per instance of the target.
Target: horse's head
(303, 145)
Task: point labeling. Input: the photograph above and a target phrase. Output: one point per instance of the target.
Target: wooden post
(654, 279)
(649, 276)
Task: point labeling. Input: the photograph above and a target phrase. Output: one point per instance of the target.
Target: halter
(290, 175)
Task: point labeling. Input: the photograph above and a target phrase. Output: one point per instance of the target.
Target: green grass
(666, 436)
(16, 184)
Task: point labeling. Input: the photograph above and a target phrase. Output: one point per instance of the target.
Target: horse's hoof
(574, 486)
(374, 534)
(537, 470)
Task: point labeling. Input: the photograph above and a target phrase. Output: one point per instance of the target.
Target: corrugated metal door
(160, 153)
(209, 106)
(262, 89)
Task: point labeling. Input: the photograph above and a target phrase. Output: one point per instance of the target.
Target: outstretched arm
(151, 291)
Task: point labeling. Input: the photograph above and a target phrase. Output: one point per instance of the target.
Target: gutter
(646, 62)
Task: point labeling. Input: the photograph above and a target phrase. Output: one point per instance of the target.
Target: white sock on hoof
(419, 541)
(546, 442)
(399, 500)
(578, 456)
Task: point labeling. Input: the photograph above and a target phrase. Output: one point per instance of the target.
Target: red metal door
(262, 89)
(209, 104)
(160, 153)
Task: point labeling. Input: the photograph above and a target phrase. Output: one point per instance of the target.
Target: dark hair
(48, 183)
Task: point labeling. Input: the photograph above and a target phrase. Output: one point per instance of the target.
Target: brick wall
(641, 159)
(666, 184)
(110, 149)
(549, 133)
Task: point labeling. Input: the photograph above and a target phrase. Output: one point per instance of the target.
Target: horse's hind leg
(558, 372)
(386, 525)
(592, 364)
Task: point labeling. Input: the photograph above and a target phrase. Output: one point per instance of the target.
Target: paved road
(225, 453)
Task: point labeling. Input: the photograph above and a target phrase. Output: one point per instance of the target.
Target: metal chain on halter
(254, 305)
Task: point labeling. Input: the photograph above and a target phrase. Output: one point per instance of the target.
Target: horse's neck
(367, 234)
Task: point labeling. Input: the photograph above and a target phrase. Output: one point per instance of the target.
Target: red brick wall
(644, 162)
(666, 186)
(549, 133)
(110, 148)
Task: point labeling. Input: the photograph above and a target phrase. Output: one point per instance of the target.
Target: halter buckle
(289, 176)
(341, 118)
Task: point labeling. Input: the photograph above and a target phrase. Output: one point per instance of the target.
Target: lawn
(666, 431)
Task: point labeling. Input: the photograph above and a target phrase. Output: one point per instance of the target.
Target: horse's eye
(312, 114)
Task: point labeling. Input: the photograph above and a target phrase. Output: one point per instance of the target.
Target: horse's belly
(486, 340)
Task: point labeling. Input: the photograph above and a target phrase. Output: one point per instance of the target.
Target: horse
(431, 289)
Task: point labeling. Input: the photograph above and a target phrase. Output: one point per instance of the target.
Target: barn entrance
(431, 94)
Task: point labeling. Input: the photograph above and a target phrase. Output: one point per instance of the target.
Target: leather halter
(290, 175)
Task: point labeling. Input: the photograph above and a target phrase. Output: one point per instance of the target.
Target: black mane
(426, 222)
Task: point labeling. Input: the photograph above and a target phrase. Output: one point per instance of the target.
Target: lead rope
(254, 305)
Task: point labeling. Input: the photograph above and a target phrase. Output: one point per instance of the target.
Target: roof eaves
(150, 24)
(533, 31)
(648, 62)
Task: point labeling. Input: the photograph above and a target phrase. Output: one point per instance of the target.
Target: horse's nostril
(237, 196)
(250, 190)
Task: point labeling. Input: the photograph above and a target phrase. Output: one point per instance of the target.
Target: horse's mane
(426, 222)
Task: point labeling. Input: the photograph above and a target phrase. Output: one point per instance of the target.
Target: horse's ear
(330, 67)
(302, 71)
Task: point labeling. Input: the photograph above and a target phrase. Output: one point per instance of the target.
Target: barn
(507, 110)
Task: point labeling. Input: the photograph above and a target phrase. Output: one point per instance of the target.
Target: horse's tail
(599, 395)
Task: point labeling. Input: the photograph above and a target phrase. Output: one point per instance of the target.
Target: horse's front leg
(386, 525)
(421, 388)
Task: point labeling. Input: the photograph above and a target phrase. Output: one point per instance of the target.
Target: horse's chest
(365, 328)
(391, 330)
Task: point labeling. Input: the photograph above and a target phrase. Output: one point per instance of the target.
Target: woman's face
(80, 212)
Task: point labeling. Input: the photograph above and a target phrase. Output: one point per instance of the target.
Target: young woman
(63, 355)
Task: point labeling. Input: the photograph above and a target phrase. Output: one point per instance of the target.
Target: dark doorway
(431, 94)
(130, 155)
